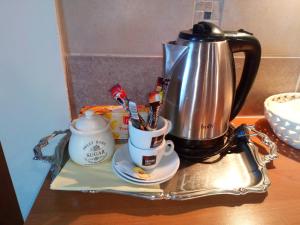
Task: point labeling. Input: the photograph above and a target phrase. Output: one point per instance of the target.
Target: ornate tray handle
(273, 154)
(59, 157)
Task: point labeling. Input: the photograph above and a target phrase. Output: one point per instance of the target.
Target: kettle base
(196, 150)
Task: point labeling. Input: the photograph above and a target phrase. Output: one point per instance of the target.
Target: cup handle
(169, 124)
(169, 147)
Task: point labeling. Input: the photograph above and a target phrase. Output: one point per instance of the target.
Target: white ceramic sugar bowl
(91, 141)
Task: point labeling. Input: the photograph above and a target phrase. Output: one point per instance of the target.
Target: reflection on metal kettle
(202, 97)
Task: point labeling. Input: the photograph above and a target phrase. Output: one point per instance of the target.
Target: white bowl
(283, 114)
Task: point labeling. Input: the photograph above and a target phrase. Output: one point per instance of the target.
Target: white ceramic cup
(149, 139)
(149, 158)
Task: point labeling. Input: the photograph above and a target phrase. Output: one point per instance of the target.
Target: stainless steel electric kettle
(202, 96)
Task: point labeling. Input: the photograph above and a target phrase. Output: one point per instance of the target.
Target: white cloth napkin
(100, 177)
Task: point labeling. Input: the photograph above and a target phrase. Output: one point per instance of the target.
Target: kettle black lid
(203, 31)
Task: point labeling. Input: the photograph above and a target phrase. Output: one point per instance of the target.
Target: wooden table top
(280, 205)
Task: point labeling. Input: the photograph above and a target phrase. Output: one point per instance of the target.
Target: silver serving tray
(241, 171)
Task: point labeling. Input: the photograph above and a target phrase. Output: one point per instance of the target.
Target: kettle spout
(173, 53)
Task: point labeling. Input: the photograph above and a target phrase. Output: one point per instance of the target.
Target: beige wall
(138, 27)
(274, 22)
(129, 28)
(32, 84)
(123, 27)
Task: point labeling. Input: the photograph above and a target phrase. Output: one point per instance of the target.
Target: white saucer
(128, 179)
(164, 171)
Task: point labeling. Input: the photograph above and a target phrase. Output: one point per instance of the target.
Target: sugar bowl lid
(90, 122)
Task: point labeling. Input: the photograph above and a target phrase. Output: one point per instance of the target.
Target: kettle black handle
(243, 41)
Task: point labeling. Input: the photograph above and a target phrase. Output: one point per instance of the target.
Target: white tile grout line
(252, 116)
(273, 57)
(298, 83)
(114, 55)
(159, 56)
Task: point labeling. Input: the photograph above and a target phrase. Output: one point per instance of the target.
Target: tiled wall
(123, 27)
(208, 10)
(275, 23)
(109, 41)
